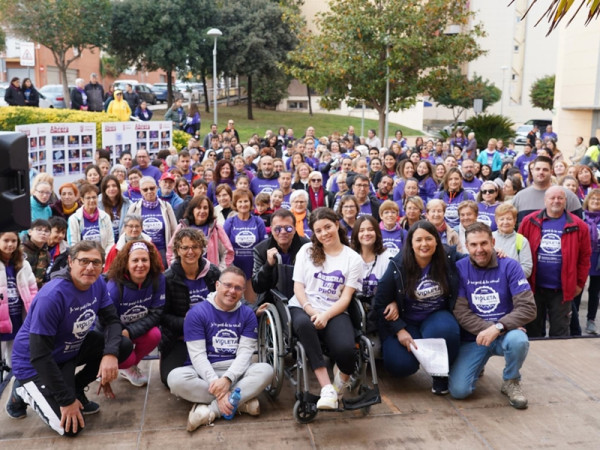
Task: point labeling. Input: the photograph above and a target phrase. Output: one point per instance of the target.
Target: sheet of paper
(432, 354)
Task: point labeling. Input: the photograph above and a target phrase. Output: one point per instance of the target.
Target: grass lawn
(264, 119)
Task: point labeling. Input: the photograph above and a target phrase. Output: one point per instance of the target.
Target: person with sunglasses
(283, 242)
(158, 218)
(489, 197)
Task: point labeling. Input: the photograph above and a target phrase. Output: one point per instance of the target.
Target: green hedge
(11, 116)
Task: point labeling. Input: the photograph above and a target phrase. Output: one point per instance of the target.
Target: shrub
(11, 116)
(488, 126)
(180, 139)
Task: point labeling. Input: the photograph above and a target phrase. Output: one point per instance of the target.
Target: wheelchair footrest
(308, 398)
(367, 398)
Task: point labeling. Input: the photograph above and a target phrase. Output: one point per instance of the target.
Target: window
(296, 105)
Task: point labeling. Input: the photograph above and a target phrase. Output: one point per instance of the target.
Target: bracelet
(305, 305)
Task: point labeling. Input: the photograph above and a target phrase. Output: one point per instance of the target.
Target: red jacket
(575, 248)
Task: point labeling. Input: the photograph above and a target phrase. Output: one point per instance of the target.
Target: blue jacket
(496, 161)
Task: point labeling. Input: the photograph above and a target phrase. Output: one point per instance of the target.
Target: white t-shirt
(324, 284)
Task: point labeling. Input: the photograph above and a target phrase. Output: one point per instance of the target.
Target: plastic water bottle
(234, 399)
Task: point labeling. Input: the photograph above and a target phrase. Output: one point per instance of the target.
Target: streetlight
(504, 69)
(214, 33)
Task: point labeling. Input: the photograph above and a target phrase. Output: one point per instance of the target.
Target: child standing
(35, 248)
(17, 290)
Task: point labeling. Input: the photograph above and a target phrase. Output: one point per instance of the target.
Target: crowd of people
(480, 247)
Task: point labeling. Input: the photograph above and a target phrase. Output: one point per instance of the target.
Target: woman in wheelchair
(423, 281)
(326, 274)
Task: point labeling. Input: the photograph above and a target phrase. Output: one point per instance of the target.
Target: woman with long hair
(326, 274)
(427, 184)
(301, 176)
(189, 280)
(452, 193)
(113, 203)
(93, 175)
(413, 212)
(200, 214)
(224, 174)
(192, 124)
(404, 171)
(30, 94)
(137, 288)
(389, 167)
(423, 282)
(587, 181)
(224, 196)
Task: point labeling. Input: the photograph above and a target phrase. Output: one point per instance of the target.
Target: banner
(120, 137)
(61, 149)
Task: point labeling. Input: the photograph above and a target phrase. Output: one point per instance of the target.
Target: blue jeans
(399, 362)
(472, 357)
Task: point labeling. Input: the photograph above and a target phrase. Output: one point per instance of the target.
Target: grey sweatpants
(185, 383)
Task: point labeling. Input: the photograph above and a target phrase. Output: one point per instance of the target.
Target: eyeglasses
(364, 186)
(235, 287)
(488, 191)
(133, 227)
(279, 228)
(44, 192)
(84, 262)
(349, 207)
(187, 248)
(41, 230)
(150, 189)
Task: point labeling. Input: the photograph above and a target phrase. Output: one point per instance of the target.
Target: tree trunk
(309, 100)
(381, 132)
(169, 88)
(65, 83)
(250, 116)
(206, 102)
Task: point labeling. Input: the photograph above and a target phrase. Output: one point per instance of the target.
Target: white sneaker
(200, 415)
(329, 398)
(251, 407)
(135, 376)
(340, 386)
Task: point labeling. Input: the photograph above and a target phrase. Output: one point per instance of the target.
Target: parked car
(449, 129)
(523, 130)
(160, 90)
(53, 95)
(141, 89)
(44, 101)
(3, 87)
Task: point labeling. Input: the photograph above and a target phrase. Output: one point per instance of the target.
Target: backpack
(520, 240)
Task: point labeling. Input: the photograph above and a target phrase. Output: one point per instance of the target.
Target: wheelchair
(276, 344)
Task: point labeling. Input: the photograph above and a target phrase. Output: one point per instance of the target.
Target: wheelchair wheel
(304, 412)
(270, 351)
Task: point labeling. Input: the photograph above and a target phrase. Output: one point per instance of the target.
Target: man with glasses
(148, 170)
(58, 336)
(221, 336)
(35, 247)
(283, 242)
(368, 203)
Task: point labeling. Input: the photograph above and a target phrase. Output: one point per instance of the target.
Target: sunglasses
(279, 228)
(488, 191)
(151, 189)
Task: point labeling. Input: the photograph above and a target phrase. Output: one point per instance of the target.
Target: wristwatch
(499, 327)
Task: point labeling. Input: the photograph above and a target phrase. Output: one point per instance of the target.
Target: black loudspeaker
(15, 209)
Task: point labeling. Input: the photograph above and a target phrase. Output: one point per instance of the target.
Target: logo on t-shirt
(152, 224)
(485, 299)
(245, 239)
(451, 212)
(392, 247)
(91, 234)
(267, 190)
(331, 281)
(484, 219)
(134, 314)
(550, 243)
(83, 323)
(225, 342)
(427, 288)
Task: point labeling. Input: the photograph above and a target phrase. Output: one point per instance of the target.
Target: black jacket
(391, 286)
(77, 99)
(264, 276)
(34, 97)
(177, 302)
(14, 96)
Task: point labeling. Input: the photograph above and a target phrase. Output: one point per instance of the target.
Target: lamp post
(214, 33)
(504, 69)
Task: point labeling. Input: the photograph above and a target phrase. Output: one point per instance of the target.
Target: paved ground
(560, 378)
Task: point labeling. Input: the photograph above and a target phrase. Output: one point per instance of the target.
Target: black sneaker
(89, 407)
(440, 385)
(16, 408)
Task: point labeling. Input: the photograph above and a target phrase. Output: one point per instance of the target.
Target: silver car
(54, 94)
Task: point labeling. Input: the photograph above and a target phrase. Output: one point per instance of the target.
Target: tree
(66, 27)
(261, 36)
(542, 92)
(159, 34)
(558, 9)
(457, 92)
(359, 41)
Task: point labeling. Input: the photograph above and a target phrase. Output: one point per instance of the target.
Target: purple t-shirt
(244, 235)
(427, 189)
(549, 256)
(221, 330)
(135, 303)
(490, 291)
(15, 304)
(472, 186)
(451, 214)
(365, 209)
(258, 185)
(399, 191)
(198, 290)
(64, 312)
(153, 225)
(150, 171)
(90, 230)
(286, 204)
(393, 240)
(116, 222)
(487, 215)
(522, 163)
(427, 298)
